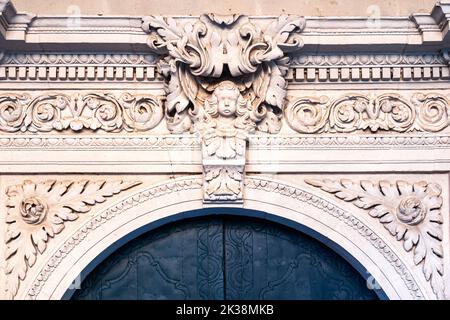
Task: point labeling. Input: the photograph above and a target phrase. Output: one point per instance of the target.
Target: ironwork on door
(224, 257)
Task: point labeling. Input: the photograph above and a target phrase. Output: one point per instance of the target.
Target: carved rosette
(411, 212)
(37, 212)
(91, 111)
(357, 112)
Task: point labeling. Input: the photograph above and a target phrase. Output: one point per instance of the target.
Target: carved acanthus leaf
(205, 52)
(411, 212)
(283, 31)
(353, 112)
(223, 183)
(37, 212)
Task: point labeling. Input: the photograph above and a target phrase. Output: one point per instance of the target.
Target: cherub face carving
(225, 101)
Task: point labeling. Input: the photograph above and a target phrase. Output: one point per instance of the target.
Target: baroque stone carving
(409, 211)
(191, 184)
(200, 55)
(183, 142)
(303, 196)
(225, 79)
(93, 111)
(223, 183)
(354, 112)
(224, 130)
(152, 193)
(37, 212)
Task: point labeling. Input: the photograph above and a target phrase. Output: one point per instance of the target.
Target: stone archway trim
(163, 201)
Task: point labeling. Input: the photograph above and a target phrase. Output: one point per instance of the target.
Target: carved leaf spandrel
(36, 212)
(409, 211)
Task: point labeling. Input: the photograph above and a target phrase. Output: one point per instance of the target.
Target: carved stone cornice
(38, 212)
(128, 67)
(28, 32)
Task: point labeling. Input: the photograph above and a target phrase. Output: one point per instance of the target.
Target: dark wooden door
(224, 257)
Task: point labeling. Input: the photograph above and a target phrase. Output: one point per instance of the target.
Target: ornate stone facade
(100, 137)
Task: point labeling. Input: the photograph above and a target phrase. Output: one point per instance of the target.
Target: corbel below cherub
(224, 124)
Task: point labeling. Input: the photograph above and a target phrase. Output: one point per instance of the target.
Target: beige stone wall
(254, 7)
(352, 141)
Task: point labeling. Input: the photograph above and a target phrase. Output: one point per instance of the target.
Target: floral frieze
(91, 111)
(358, 112)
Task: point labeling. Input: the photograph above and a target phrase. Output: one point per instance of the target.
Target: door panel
(224, 258)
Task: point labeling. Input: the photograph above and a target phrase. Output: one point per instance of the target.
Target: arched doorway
(224, 257)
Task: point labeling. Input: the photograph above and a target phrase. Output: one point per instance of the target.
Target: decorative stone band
(131, 112)
(251, 182)
(98, 142)
(56, 66)
(92, 111)
(360, 67)
(77, 67)
(411, 212)
(358, 112)
(369, 60)
(38, 211)
(83, 231)
(78, 73)
(340, 141)
(368, 73)
(191, 142)
(75, 59)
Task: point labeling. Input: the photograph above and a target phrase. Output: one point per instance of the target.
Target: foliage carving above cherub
(198, 56)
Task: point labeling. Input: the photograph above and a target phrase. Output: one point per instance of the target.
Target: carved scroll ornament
(37, 212)
(92, 111)
(353, 112)
(201, 55)
(411, 212)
